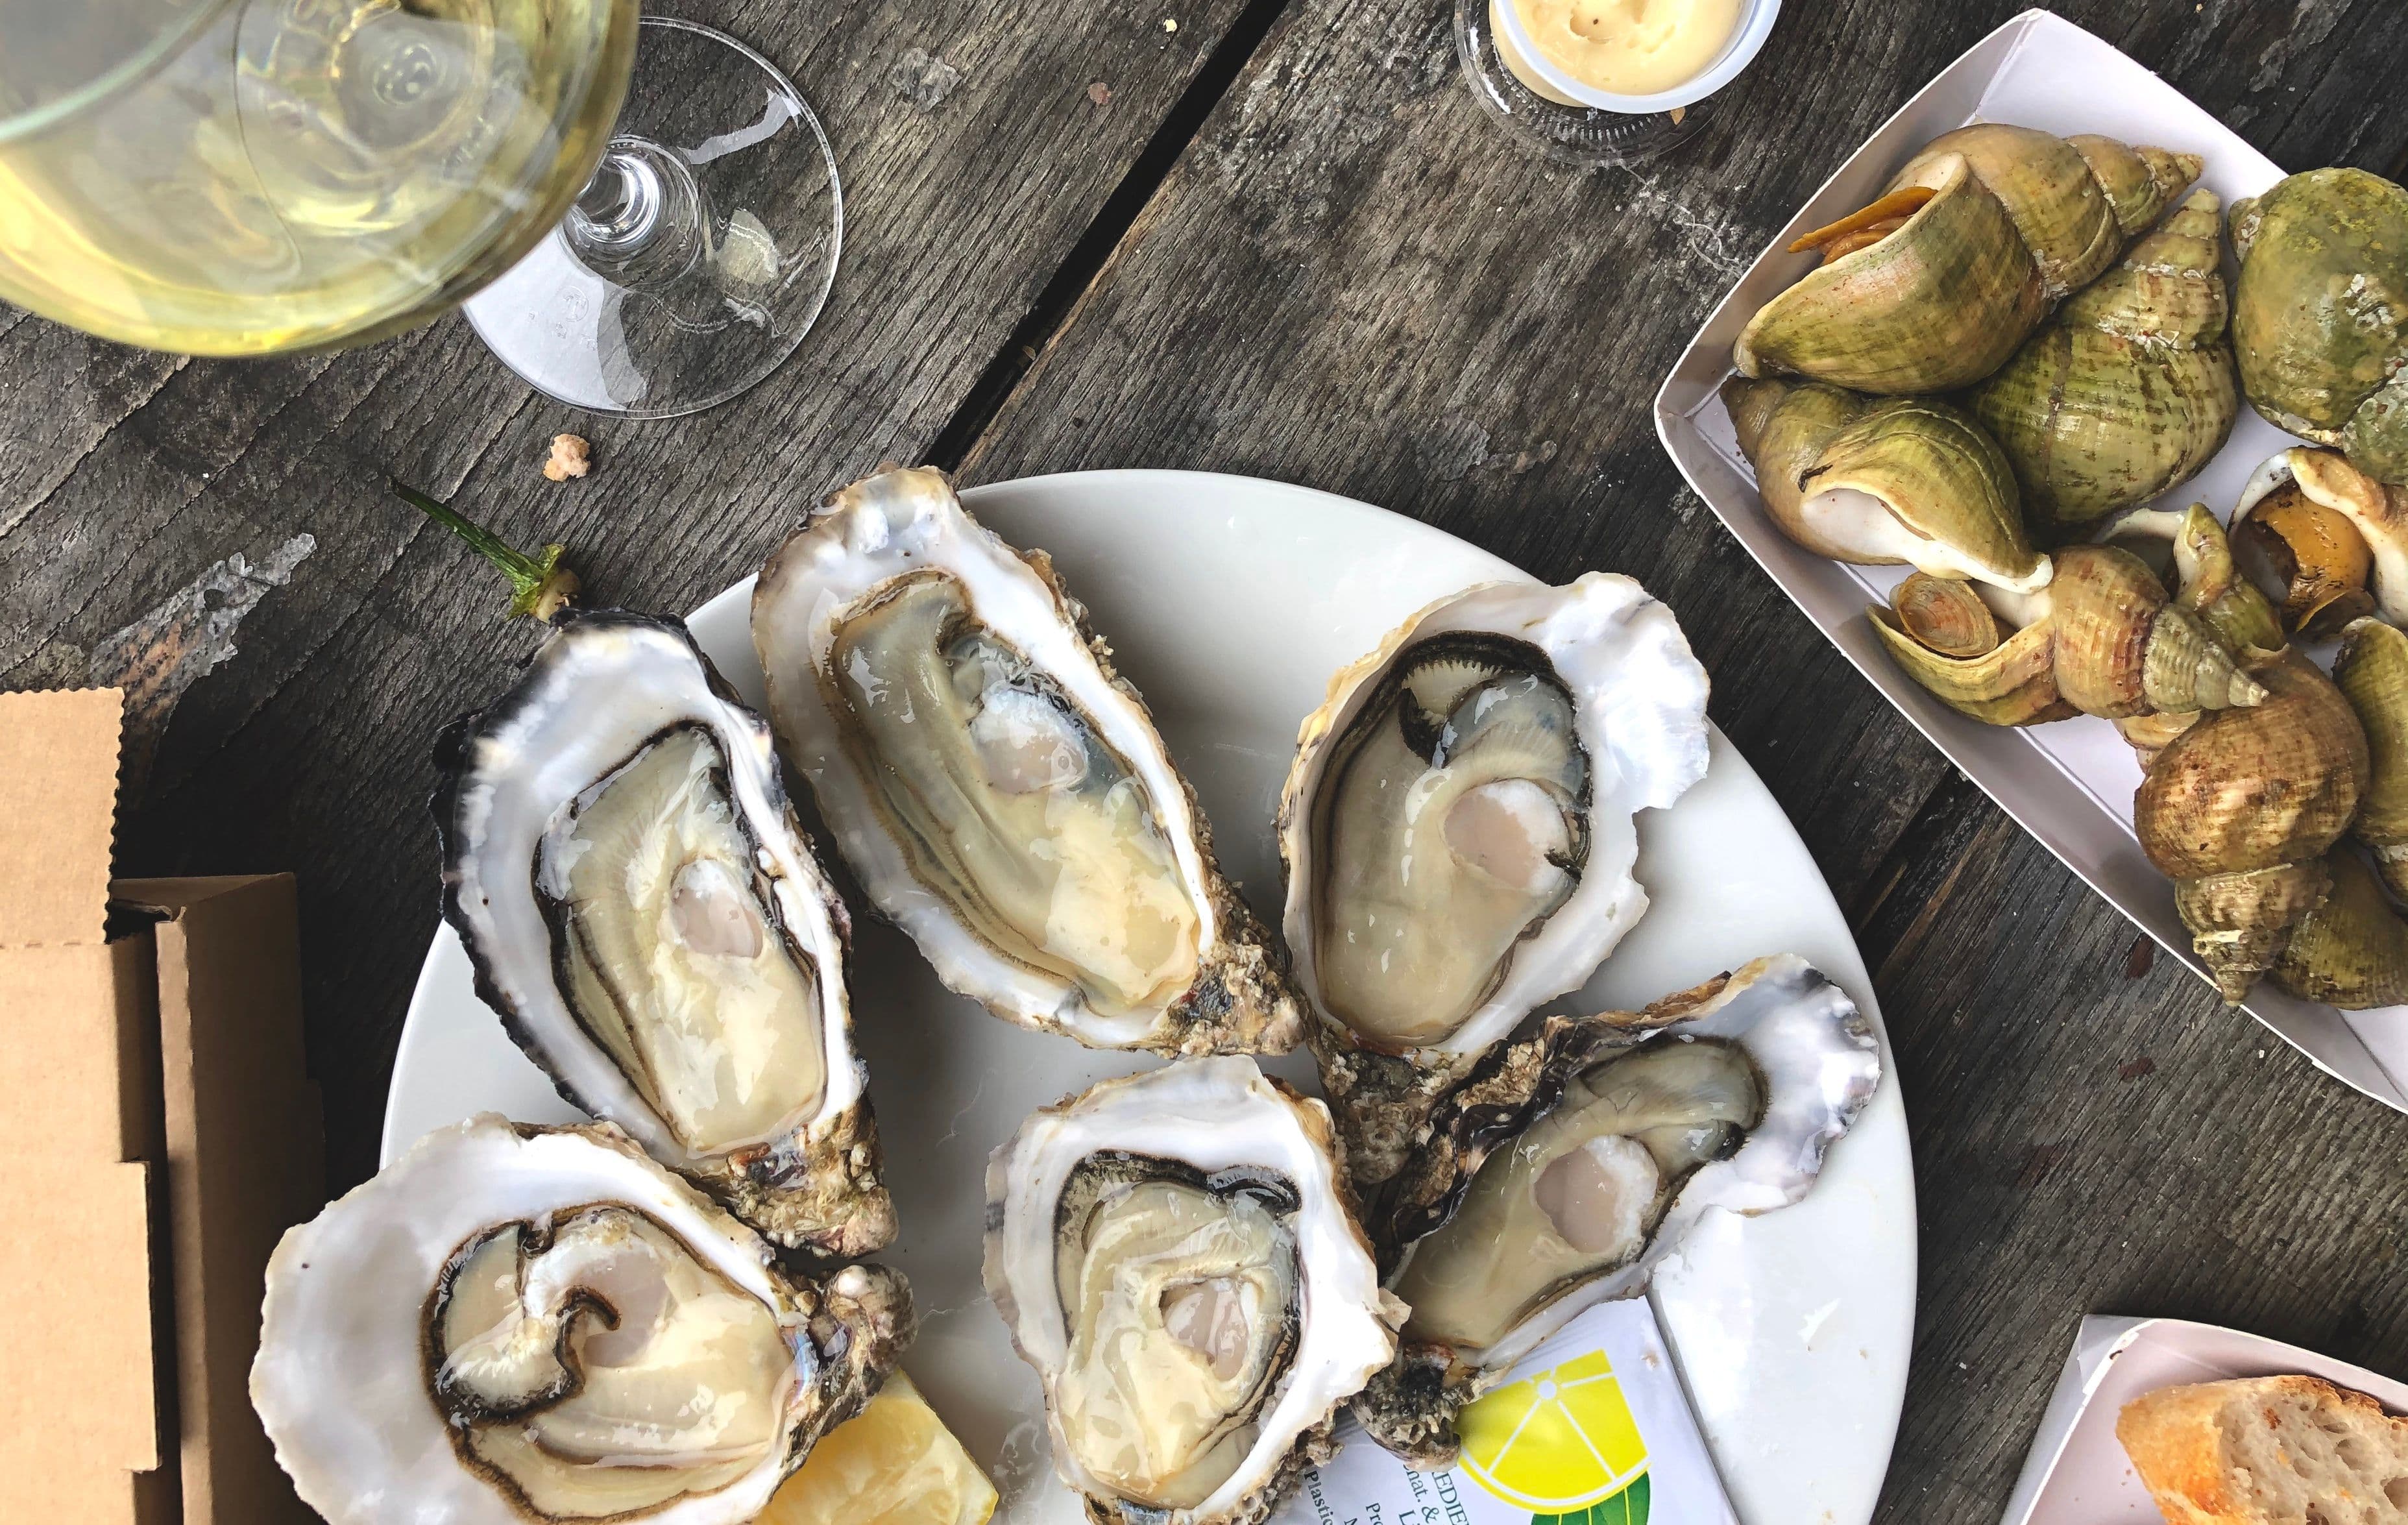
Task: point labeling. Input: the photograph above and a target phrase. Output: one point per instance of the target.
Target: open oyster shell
(1457, 830)
(1572, 1162)
(624, 869)
(1001, 794)
(1176, 1255)
(514, 1325)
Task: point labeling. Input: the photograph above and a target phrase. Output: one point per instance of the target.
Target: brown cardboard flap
(58, 798)
(74, 1063)
(245, 1158)
(77, 1262)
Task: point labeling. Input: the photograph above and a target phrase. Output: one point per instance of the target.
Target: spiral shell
(2128, 391)
(2352, 950)
(2016, 220)
(1885, 482)
(2371, 669)
(2320, 316)
(2240, 810)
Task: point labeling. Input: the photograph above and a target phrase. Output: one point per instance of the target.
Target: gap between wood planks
(1112, 221)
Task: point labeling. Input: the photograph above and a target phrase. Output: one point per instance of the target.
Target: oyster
(622, 865)
(514, 1324)
(2128, 391)
(1977, 237)
(1457, 830)
(998, 791)
(1574, 1161)
(1176, 1256)
(1885, 482)
(2320, 315)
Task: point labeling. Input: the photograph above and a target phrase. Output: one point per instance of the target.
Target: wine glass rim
(126, 72)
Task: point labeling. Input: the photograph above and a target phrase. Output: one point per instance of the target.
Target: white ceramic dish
(1229, 601)
(2069, 784)
(2077, 1473)
(1755, 21)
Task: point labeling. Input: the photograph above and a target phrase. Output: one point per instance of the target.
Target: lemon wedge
(894, 1464)
(1561, 1442)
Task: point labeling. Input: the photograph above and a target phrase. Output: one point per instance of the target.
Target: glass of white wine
(642, 215)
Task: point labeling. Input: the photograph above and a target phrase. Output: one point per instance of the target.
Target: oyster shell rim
(1069, 1132)
(850, 1325)
(1410, 1408)
(1238, 967)
(841, 1134)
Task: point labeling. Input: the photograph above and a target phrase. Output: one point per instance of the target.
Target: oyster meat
(1176, 1256)
(623, 867)
(1458, 836)
(1000, 792)
(514, 1324)
(1574, 1161)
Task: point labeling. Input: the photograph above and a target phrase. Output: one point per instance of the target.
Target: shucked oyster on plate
(1458, 836)
(624, 869)
(521, 1325)
(1176, 1256)
(1001, 792)
(1572, 1162)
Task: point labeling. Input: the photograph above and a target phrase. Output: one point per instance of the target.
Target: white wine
(306, 172)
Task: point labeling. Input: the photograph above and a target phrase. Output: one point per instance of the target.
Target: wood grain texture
(1346, 277)
(1351, 280)
(122, 475)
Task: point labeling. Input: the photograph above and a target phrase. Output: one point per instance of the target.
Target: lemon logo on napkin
(1560, 1442)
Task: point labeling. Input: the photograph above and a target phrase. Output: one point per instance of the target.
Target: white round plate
(1229, 601)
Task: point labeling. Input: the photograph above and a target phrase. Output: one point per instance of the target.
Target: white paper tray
(2077, 1473)
(2069, 784)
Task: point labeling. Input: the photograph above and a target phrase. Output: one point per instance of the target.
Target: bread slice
(2270, 1450)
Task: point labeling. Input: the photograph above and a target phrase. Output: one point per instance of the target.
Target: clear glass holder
(701, 253)
(1582, 136)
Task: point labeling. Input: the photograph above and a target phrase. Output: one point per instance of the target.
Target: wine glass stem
(640, 219)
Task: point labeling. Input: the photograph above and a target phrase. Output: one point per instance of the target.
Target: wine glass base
(1582, 136)
(712, 308)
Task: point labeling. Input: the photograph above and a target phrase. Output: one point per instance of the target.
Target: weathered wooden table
(1272, 237)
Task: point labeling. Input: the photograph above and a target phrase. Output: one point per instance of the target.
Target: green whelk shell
(2320, 316)
(2128, 391)
(1885, 482)
(2371, 668)
(2017, 219)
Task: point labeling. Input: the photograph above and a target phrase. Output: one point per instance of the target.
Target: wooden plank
(311, 751)
(1353, 281)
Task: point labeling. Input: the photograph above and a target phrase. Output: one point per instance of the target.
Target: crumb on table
(571, 457)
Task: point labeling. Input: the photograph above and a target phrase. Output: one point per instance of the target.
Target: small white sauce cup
(1522, 55)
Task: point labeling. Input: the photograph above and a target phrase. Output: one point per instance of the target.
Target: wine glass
(649, 210)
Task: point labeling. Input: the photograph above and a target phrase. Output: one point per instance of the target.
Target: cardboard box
(2077, 1473)
(159, 1135)
(2069, 784)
